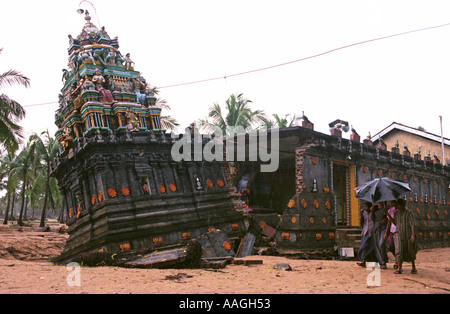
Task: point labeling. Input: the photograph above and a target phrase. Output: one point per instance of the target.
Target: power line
(289, 62)
(310, 57)
(43, 104)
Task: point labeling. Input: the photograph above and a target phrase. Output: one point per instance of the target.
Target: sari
(366, 248)
(379, 220)
(405, 250)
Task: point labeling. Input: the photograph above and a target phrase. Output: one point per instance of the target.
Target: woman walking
(366, 248)
(390, 230)
(404, 237)
(379, 227)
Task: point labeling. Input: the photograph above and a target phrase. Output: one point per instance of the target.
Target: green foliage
(28, 171)
(238, 114)
(11, 112)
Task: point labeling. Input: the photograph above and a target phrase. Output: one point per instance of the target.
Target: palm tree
(279, 122)
(25, 169)
(238, 114)
(13, 201)
(167, 121)
(46, 150)
(6, 166)
(11, 112)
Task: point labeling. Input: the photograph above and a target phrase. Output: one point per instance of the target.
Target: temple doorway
(340, 175)
(343, 185)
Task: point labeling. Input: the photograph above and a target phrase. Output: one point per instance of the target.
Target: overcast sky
(404, 79)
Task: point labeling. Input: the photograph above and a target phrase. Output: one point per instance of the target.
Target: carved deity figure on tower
(129, 64)
(67, 138)
(103, 34)
(62, 101)
(139, 89)
(115, 58)
(73, 41)
(133, 123)
(85, 55)
(105, 95)
(65, 75)
(77, 91)
(88, 85)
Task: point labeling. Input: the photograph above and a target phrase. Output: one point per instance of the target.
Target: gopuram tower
(122, 189)
(102, 91)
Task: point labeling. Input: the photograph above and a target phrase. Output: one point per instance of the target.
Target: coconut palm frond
(37, 189)
(11, 108)
(154, 90)
(11, 111)
(162, 103)
(239, 116)
(169, 123)
(11, 134)
(13, 77)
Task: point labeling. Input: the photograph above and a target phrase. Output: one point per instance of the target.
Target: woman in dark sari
(380, 222)
(366, 248)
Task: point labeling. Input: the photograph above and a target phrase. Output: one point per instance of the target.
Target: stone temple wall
(124, 192)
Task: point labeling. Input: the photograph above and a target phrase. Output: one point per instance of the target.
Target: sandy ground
(24, 269)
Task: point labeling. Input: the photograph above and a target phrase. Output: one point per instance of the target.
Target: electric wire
(306, 58)
(286, 63)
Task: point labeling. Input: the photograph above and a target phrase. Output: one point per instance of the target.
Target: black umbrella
(381, 190)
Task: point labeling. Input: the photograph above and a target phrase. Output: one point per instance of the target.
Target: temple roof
(91, 37)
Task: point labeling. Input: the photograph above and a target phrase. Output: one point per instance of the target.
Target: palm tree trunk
(20, 222)
(26, 207)
(44, 210)
(50, 195)
(47, 190)
(61, 215)
(11, 217)
(5, 221)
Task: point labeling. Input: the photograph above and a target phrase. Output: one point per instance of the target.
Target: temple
(122, 190)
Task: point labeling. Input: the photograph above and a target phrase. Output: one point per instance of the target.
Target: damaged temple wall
(124, 192)
(310, 218)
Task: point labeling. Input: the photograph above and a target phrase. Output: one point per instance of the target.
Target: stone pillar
(91, 116)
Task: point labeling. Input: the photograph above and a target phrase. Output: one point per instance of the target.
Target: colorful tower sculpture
(102, 90)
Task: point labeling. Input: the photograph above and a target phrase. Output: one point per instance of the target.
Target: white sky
(404, 79)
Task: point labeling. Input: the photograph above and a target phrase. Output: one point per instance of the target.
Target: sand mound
(31, 243)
